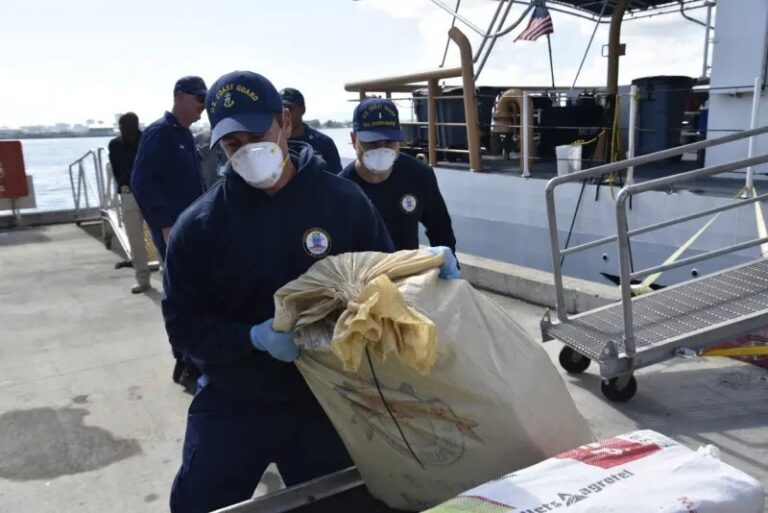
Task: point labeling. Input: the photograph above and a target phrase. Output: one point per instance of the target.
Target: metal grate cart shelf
(641, 331)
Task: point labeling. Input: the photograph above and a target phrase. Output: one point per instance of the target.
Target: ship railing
(633, 129)
(527, 130)
(560, 97)
(624, 234)
(528, 127)
(408, 83)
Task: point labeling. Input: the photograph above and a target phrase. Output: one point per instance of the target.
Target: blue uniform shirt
(232, 250)
(166, 174)
(323, 145)
(408, 197)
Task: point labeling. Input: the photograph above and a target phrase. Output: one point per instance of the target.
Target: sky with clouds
(86, 59)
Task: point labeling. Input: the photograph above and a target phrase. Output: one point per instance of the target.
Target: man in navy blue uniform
(166, 179)
(322, 144)
(274, 213)
(404, 189)
(166, 175)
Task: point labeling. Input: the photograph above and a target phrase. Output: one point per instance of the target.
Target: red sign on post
(13, 178)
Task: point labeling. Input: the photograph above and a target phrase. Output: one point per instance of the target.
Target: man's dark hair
(128, 117)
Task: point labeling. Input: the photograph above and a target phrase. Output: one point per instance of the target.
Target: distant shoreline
(54, 135)
(18, 135)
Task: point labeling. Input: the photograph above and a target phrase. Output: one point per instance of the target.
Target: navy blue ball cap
(377, 119)
(190, 85)
(292, 96)
(241, 101)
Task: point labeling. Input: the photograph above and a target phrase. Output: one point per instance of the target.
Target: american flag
(539, 25)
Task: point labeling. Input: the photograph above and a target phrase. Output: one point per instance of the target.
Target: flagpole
(551, 65)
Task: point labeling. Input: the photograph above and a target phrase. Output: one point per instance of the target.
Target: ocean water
(48, 160)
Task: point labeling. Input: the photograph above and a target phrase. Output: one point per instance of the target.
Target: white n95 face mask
(259, 164)
(380, 160)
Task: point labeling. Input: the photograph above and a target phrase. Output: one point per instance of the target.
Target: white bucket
(568, 158)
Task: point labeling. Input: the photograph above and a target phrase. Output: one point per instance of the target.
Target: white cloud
(130, 61)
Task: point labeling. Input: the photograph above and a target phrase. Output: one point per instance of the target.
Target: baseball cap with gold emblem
(377, 119)
(241, 101)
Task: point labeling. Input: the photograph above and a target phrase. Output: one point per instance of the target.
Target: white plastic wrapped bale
(641, 472)
(431, 385)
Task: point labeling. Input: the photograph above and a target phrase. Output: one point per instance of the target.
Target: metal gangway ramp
(93, 172)
(653, 327)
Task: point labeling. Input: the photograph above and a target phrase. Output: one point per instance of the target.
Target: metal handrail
(294, 497)
(487, 32)
(448, 41)
(110, 188)
(105, 190)
(391, 84)
(438, 123)
(664, 224)
(651, 157)
(99, 178)
(112, 199)
(571, 11)
(103, 178)
(623, 233)
(623, 236)
(82, 185)
(442, 97)
(499, 33)
(698, 258)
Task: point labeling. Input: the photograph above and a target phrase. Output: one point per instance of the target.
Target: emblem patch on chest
(408, 203)
(317, 242)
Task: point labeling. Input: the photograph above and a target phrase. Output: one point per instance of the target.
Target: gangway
(650, 328)
(105, 208)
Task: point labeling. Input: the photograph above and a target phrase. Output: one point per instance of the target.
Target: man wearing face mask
(273, 214)
(166, 179)
(403, 189)
(321, 143)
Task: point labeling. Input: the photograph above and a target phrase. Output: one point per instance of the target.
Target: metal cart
(640, 331)
(340, 492)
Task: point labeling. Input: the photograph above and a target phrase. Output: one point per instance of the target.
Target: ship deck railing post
(625, 271)
(707, 33)
(432, 92)
(406, 83)
(751, 142)
(525, 135)
(470, 98)
(634, 98)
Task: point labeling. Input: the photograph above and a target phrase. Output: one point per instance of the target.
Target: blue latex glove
(278, 344)
(449, 269)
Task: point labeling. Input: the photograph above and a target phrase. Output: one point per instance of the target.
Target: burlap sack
(432, 386)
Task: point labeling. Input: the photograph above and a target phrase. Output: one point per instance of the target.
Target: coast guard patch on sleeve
(317, 242)
(408, 203)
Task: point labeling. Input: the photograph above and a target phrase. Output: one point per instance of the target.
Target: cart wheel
(619, 389)
(108, 241)
(572, 361)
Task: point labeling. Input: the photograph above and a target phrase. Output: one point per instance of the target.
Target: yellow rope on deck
(582, 142)
(737, 351)
(645, 285)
